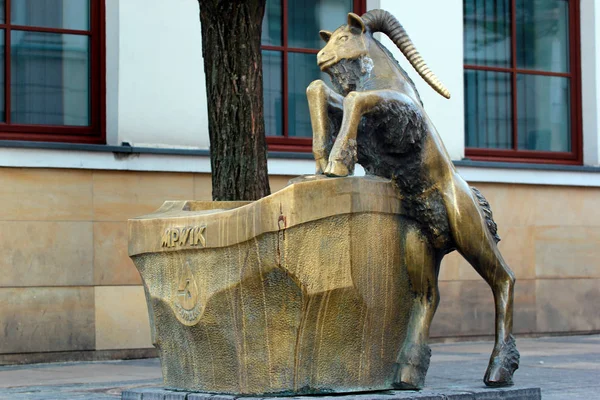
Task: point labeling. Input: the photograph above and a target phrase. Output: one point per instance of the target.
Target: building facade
(105, 117)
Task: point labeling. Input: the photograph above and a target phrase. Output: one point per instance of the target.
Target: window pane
(2, 55)
(50, 78)
(488, 109)
(543, 35)
(487, 38)
(273, 92)
(2, 10)
(302, 70)
(544, 116)
(65, 14)
(306, 18)
(271, 26)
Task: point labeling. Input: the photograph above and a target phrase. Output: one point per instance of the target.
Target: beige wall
(68, 285)
(551, 240)
(66, 282)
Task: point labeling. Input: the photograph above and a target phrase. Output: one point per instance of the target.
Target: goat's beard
(349, 75)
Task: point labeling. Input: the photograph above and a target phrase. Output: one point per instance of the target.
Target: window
(51, 70)
(522, 89)
(290, 42)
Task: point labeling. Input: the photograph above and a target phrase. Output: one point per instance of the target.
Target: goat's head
(345, 57)
(349, 45)
(346, 43)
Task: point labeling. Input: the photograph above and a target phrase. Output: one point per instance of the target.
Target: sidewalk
(564, 367)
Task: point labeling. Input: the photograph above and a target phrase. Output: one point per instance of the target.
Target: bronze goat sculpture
(375, 116)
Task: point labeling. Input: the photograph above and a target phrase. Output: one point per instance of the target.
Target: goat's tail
(487, 211)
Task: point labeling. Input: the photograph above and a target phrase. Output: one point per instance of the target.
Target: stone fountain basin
(303, 291)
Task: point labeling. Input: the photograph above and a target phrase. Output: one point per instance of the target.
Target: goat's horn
(383, 21)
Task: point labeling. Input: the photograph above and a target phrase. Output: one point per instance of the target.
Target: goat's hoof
(336, 168)
(497, 375)
(408, 377)
(412, 366)
(321, 166)
(503, 364)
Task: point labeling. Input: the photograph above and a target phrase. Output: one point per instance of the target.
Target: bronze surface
(374, 116)
(329, 285)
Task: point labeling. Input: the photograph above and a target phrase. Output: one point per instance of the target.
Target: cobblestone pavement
(564, 367)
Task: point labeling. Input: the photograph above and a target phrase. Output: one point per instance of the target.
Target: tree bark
(231, 34)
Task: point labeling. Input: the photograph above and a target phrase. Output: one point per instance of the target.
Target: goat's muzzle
(324, 60)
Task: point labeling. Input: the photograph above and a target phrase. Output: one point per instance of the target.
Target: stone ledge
(76, 356)
(455, 393)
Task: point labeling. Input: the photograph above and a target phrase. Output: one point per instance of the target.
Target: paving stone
(154, 394)
(564, 367)
(131, 395)
(176, 396)
(206, 396)
(450, 394)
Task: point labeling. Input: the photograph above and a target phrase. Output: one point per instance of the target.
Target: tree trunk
(231, 34)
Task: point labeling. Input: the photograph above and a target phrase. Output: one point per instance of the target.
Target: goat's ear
(325, 35)
(356, 22)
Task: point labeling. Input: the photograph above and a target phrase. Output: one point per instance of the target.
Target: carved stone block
(304, 291)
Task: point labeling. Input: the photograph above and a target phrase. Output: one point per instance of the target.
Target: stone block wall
(68, 288)
(551, 240)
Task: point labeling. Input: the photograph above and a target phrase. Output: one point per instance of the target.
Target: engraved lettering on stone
(186, 236)
(199, 236)
(185, 232)
(166, 239)
(174, 236)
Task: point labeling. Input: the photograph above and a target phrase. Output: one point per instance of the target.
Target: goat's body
(386, 149)
(375, 116)
(393, 140)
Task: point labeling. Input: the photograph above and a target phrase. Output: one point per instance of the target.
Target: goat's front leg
(325, 107)
(343, 155)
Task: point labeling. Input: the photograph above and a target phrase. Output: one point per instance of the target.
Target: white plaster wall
(590, 72)
(154, 62)
(161, 90)
(156, 93)
(436, 29)
(112, 72)
(146, 39)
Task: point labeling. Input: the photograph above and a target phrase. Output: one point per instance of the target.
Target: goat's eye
(342, 38)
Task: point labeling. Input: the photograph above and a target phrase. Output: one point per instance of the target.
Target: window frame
(95, 133)
(575, 156)
(284, 142)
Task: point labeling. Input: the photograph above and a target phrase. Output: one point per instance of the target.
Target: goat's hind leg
(325, 108)
(477, 245)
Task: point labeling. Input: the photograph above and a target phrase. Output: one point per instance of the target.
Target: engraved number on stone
(187, 292)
